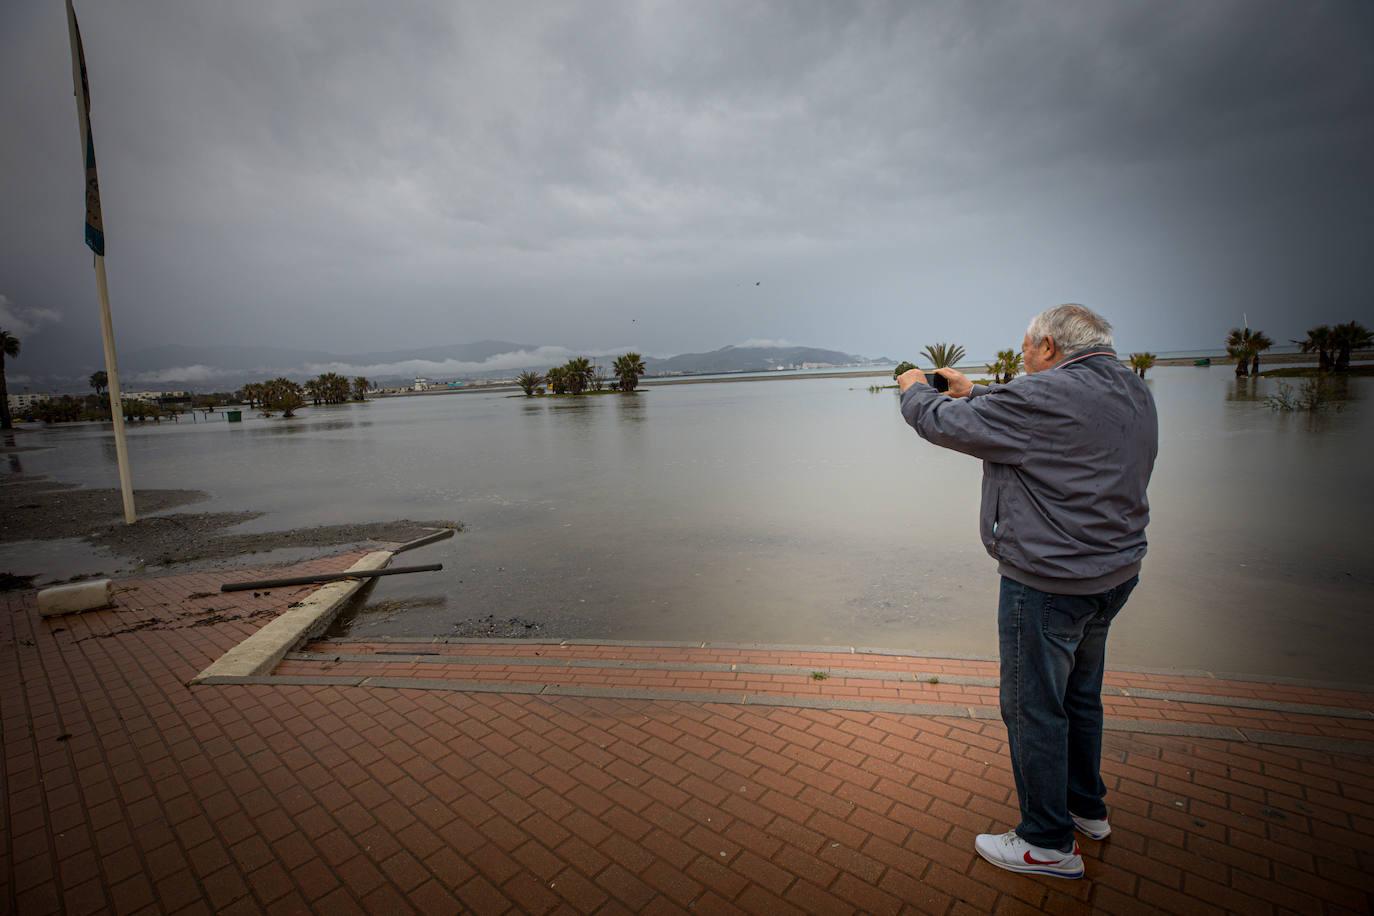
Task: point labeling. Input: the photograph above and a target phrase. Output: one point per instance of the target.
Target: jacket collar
(1084, 354)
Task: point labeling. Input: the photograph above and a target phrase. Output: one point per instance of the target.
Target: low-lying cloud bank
(515, 361)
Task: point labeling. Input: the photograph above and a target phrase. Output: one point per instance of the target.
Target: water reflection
(287, 426)
(1335, 389)
(630, 407)
(571, 406)
(1245, 388)
(293, 426)
(351, 423)
(1332, 389)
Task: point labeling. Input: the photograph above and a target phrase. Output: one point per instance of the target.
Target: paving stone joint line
(1338, 712)
(1241, 677)
(1135, 726)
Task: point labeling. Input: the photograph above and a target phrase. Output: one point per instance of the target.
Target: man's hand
(910, 377)
(959, 385)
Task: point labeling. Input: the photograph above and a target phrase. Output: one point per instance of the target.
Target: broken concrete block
(79, 596)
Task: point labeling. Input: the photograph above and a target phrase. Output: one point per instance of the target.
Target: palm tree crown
(942, 355)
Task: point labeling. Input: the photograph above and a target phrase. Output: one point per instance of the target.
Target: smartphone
(938, 382)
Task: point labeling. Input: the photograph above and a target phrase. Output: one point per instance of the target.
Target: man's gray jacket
(1067, 455)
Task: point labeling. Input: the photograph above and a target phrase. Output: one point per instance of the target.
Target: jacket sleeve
(993, 424)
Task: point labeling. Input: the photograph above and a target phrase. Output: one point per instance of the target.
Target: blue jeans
(1054, 650)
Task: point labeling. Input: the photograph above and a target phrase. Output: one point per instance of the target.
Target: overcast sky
(678, 176)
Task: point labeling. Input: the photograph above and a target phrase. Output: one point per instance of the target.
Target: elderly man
(1067, 453)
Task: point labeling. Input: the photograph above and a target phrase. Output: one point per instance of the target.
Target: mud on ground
(39, 509)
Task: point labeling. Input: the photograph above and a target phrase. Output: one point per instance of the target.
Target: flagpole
(126, 484)
(95, 239)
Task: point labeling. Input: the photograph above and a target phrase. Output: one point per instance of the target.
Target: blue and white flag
(95, 228)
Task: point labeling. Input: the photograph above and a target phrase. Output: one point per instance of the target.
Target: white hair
(1072, 327)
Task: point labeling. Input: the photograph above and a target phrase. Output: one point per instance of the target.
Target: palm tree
(528, 381)
(1346, 337)
(1010, 363)
(9, 346)
(628, 369)
(340, 388)
(1244, 345)
(329, 388)
(578, 374)
(360, 386)
(282, 394)
(558, 379)
(1142, 361)
(100, 381)
(1322, 341)
(942, 355)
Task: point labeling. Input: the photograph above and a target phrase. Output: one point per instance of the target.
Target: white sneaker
(1009, 851)
(1093, 830)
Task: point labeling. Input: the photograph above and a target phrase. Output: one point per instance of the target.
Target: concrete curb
(259, 654)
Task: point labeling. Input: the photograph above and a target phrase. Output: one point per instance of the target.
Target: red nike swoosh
(1030, 861)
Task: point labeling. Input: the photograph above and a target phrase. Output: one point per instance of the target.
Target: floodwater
(798, 511)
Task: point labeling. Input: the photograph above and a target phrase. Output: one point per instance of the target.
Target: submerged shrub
(1314, 395)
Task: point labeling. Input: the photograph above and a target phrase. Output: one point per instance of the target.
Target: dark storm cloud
(336, 176)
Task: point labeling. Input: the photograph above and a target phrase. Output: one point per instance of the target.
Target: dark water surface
(791, 512)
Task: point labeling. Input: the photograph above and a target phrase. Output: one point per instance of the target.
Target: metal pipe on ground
(327, 577)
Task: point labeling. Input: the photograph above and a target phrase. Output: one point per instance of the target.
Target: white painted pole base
(80, 596)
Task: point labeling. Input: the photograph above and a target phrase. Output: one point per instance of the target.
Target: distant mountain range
(749, 359)
(225, 368)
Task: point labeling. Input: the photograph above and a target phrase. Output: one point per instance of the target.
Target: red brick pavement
(125, 790)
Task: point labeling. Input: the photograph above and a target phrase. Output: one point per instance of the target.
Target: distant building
(421, 383)
(26, 400)
(154, 395)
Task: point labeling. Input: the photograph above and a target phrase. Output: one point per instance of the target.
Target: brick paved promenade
(496, 777)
